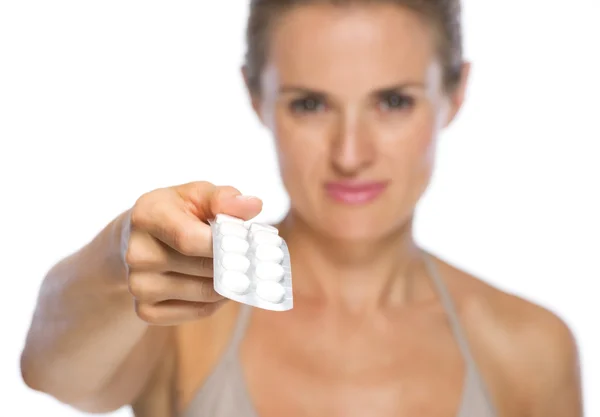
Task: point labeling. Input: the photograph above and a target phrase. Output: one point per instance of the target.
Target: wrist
(106, 253)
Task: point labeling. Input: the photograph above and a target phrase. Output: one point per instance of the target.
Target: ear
(253, 96)
(457, 96)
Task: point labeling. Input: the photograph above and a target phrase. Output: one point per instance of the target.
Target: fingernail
(245, 197)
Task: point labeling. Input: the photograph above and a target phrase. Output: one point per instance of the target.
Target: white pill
(234, 244)
(270, 291)
(255, 227)
(221, 218)
(269, 271)
(235, 281)
(269, 253)
(233, 229)
(235, 262)
(263, 237)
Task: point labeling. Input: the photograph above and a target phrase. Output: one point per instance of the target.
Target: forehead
(332, 47)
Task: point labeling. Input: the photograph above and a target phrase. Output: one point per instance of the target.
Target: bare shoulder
(529, 350)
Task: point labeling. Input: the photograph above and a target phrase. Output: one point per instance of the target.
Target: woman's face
(355, 100)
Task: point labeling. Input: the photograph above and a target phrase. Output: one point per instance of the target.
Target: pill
(233, 229)
(251, 264)
(222, 218)
(263, 237)
(269, 271)
(268, 253)
(255, 227)
(235, 281)
(235, 262)
(234, 244)
(270, 291)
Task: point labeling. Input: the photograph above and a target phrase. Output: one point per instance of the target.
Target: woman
(356, 94)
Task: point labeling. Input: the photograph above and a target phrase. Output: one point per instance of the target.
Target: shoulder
(530, 347)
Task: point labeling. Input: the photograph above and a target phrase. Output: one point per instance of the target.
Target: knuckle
(139, 212)
(205, 185)
(146, 287)
(144, 211)
(227, 190)
(136, 285)
(147, 312)
(132, 258)
(136, 254)
(195, 190)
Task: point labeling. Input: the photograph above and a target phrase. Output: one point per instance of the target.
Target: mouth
(355, 192)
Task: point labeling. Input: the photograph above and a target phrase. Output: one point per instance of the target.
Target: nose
(353, 149)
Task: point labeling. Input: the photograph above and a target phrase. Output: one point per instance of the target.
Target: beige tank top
(224, 392)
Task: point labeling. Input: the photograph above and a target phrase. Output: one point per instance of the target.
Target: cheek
(409, 151)
(411, 146)
(301, 150)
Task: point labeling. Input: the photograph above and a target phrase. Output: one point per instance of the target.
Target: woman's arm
(86, 346)
(90, 344)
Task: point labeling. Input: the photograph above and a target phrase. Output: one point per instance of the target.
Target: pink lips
(354, 192)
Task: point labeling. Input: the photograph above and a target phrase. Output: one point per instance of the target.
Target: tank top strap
(474, 381)
(449, 308)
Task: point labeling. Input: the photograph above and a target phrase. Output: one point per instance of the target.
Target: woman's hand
(168, 249)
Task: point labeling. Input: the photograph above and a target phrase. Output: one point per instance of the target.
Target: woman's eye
(307, 105)
(396, 102)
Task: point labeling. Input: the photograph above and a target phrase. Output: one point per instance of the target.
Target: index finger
(177, 216)
(178, 229)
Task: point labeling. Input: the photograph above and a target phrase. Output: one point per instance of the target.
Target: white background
(102, 101)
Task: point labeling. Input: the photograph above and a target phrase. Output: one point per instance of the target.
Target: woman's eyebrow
(379, 91)
(300, 90)
(398, 87)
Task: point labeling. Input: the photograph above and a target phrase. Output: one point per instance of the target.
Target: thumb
(229, 200)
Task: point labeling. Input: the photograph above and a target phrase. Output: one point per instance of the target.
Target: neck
(354, 275)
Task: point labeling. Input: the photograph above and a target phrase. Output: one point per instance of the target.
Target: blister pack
(251, 263)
